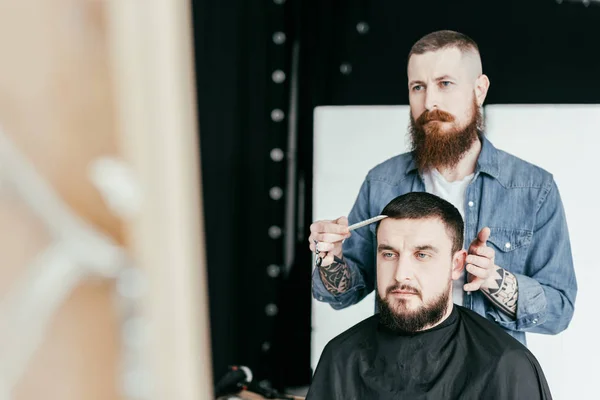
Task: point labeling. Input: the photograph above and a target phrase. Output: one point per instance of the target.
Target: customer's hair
(421, 205)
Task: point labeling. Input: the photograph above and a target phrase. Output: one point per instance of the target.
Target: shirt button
(320, 297)
(507, 245)
(534, 321)
(471, 204)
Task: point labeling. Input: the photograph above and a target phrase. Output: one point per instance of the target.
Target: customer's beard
(436, 148)
(402, 321)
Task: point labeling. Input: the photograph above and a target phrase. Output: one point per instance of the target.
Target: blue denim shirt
(520, 203)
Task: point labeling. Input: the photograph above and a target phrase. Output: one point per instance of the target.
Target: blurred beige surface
(56, 105)
(76, 86)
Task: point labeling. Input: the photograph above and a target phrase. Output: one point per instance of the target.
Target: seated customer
(421, 345)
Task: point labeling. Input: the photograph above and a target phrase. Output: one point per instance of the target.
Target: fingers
(327, 237)
(474, 285)
(482, 251)
(326, 242)
(478, 272)
(324, 247)
(481, 262)
(331, 227)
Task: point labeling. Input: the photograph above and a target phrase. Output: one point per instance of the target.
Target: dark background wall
(350, 53)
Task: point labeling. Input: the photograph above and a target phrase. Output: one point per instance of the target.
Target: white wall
(563, 139)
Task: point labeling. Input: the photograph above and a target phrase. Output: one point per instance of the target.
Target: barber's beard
(436, 148)
(396, 317)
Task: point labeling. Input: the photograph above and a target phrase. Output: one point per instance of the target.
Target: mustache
(403, 287)
(434, 115)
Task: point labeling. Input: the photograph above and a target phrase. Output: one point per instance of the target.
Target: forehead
(414, 232)
(433, 64)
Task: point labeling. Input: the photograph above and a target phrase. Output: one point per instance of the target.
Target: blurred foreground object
(102, 288)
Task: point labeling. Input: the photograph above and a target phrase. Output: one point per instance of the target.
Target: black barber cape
(464, 357)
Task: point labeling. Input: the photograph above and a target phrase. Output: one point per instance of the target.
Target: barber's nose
(431, 99)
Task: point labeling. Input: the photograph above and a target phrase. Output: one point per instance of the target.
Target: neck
(466, 166)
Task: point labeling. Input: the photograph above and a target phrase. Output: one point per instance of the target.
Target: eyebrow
(427, 247)
(445, 78)
(383, 247)
(439, 79)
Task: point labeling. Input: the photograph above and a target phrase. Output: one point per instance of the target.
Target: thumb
(484, 235)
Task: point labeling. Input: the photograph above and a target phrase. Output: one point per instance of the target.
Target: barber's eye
(417, 88)
(388, 255)
(446, 83)
(422, 256)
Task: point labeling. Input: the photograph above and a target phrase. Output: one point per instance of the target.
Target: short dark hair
(442, 40)
(421, 205)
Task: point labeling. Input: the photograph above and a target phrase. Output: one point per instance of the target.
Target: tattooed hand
(329, 235)
(496, 283)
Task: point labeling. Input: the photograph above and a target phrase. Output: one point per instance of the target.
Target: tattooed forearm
(336, 277)
(505, 293)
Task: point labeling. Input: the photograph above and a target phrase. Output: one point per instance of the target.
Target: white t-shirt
(453, 192)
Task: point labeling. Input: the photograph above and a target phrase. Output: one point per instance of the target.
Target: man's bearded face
(438, 141)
